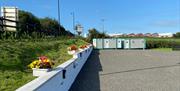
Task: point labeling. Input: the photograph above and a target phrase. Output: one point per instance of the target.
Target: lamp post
(59, 16)
(73, 16)
(103, 24)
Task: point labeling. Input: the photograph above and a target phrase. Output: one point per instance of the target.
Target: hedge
(162, 43)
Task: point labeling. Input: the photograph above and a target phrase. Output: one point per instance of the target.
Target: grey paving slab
(130, 70)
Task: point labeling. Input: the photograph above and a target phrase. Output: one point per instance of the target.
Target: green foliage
(30, 26)
(161, 43)
(163, 49)
(28, 23)
(177, 35)
(93, 33)
(15, 55)
(70, 42)
(51, 27)
(11, 80)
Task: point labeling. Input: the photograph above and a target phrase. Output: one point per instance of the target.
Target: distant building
(115, 35)
(166, 35)
(124, 35)
(155, 35)
(147, 35)
(131, 35)
(140, 35)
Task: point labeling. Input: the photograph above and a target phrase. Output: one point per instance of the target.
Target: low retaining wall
(62, 77)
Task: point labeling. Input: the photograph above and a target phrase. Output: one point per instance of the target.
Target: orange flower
(83, 46)
(73, 47)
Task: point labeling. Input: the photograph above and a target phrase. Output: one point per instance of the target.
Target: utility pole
(73, 16)
(59, 16)
(102, 24)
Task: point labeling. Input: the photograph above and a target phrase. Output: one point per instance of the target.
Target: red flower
(74, 47)
(43, 58)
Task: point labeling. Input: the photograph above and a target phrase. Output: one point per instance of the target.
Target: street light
(103, 24)
(73, 16)
(59, 16)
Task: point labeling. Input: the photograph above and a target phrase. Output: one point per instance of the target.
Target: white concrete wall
(54, 81)
(137, 43)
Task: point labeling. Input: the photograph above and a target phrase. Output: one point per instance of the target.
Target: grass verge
(16, 55)
(163, 49)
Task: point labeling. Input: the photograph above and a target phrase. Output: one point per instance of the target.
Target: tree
(177, 35)
(93, 33)
(28, 23)
(51, 27)
(30, 26)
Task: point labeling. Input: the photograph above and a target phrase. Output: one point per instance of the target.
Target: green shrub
(161, 43)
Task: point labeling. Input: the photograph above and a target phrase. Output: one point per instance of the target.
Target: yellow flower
(47, 60)
(31, 66)
(36, 63)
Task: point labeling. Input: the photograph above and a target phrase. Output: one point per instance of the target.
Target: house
(131, 35)
(115, 35)
(155, 35)
(148, 35)
(166, 35)
(124, 35)
(140, 35)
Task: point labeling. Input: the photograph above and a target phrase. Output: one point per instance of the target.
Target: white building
(165, 34)
(115, 35)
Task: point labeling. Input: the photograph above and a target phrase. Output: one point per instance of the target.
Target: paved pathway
(130, 70)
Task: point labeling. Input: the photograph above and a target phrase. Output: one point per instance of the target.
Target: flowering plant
(83, 46)
(73, 47)
(42, 63)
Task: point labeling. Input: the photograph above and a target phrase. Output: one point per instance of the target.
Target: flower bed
(16, 55)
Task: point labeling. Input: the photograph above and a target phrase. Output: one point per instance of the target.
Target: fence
(3, 26)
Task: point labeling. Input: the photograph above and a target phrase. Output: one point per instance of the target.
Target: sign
(10, 13)
(79, 29)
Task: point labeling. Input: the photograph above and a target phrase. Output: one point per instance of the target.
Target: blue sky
(121, 16)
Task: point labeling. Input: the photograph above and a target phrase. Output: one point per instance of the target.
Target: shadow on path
(168, 66)
(88, 78)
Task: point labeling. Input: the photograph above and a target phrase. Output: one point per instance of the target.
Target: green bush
(161, 43)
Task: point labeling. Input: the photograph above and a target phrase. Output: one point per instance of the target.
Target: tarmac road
(130, 70)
